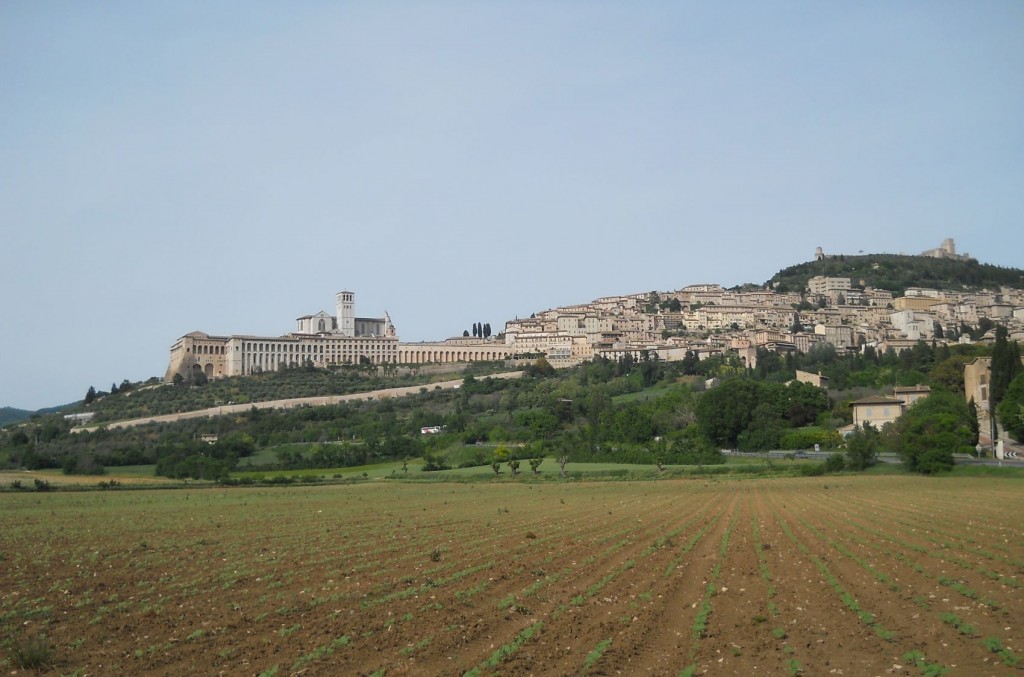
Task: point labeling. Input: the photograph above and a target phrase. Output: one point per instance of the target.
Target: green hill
(12, 415)
(897, 272)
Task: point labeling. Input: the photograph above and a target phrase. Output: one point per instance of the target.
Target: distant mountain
(12, 415)
(897, 272)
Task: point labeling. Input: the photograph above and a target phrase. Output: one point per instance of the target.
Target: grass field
(713, 575)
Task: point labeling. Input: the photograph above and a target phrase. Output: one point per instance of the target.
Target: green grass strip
(595, 654)
(506, 650)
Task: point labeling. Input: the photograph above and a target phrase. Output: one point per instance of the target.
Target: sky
(229, 166)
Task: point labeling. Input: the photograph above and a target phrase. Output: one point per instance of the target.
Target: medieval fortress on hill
(700, 320)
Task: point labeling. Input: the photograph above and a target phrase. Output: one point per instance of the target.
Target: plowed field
(817, 576)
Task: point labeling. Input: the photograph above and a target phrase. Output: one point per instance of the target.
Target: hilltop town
(705, 319)
(694, 322)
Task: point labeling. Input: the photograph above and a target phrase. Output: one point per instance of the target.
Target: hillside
(602, 411)
(898, 272)
(13, 415)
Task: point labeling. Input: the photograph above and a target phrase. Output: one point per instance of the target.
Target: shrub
(434, 460)
(806, 438)
(812, 469)
(835, 463)
(862, 448)
(30, 653)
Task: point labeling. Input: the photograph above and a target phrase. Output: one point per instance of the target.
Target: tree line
(638, 410)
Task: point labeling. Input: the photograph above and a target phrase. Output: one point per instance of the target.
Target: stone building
(321, 340)
(876, 411)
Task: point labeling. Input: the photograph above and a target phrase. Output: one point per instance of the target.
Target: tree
(931, 431)
(434, 460)
(984, 326)
(650, 368)
(692, 447)
(1005, 365)
(1011, 409)
(535, 464)
(726, 411)
(949, 373)
(502, 455)
(465, 332)
(803, 403)
(487, 330)
(972, 410)
(763, 432)
(541, 368)
(862, 448)
(90, 394)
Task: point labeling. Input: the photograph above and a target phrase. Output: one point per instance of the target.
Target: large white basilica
(321, 340)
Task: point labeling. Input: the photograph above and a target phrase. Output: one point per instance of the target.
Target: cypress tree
(1005, 365)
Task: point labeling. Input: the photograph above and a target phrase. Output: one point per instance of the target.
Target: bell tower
(346, 307)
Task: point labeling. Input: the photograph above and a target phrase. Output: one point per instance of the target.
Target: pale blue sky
(229, 166)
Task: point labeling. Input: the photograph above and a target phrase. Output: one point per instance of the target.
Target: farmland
(850, 575)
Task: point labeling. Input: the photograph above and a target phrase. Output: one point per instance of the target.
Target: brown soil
(815, 576)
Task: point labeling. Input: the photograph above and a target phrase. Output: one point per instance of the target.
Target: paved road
(1013, 453)
(1013, 458)
(319, 401)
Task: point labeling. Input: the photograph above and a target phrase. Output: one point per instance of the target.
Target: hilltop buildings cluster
(698, 321)
(707, 319)
(703, 319)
